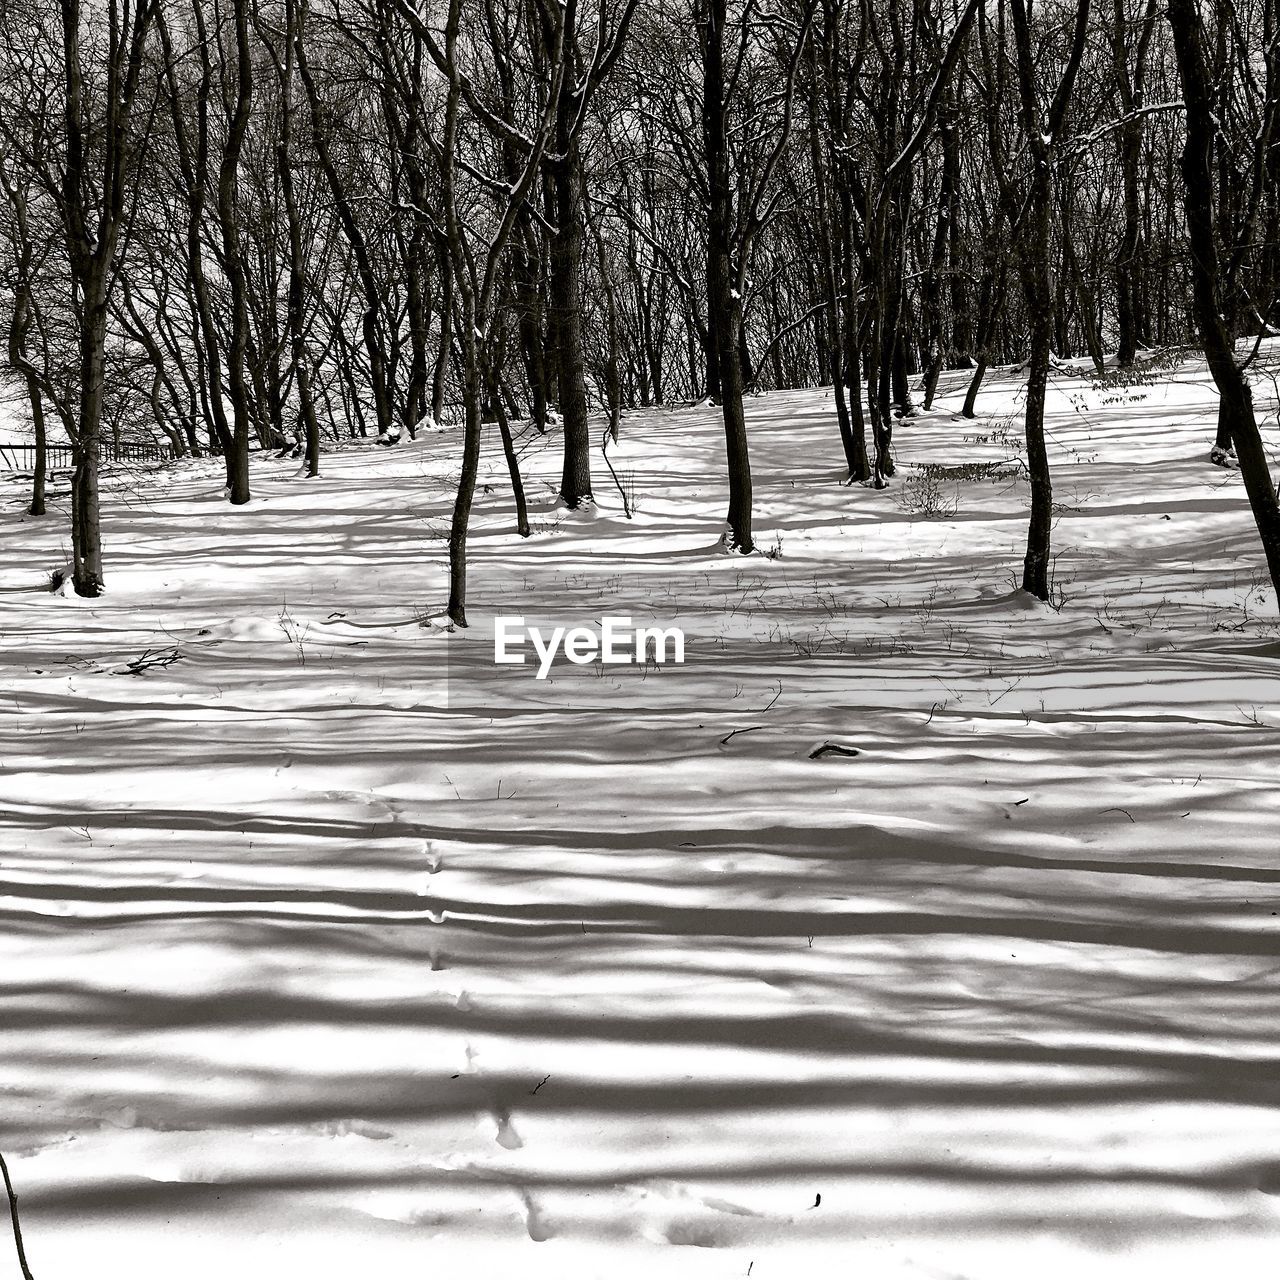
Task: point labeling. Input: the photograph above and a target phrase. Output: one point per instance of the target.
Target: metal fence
(60, 457)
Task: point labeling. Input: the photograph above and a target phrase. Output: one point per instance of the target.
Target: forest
(237, 226)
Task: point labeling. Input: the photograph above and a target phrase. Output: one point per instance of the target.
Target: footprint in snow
(507, 1137)
(677, 1216)
(534, 1221)
(350, 1128)
(693, 1231)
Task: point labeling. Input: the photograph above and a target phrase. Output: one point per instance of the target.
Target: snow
(331, 945)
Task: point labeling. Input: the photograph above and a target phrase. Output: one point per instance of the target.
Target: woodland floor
(326, 950)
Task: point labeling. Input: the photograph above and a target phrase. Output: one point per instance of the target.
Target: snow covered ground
(326, 946)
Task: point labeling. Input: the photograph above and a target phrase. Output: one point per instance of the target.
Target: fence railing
(60, 457)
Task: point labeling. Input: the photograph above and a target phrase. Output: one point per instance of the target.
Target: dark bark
(441, 371)
(565, 288)
(299, 359)
(969, 409)
(39, 472)
(860, 464)
(567, 179)
(92, 207)
(19, 328)
(233, 260)
(723, 300)
(613, 343)
(829, 322)
(991, 292)
(473, 395)
(941, 264)
(1203, 229)
(419, 315)
(525, 273)
(193, 157)
(86, 527)
(509, 452)
(1028, 206)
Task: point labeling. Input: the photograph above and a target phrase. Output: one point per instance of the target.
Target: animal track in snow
(534, 1221)
(698, 1232)
(680, 1216)
(350, 1128)
(506, 1136)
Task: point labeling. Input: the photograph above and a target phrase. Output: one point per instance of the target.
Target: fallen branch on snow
(152, 658)
(13, 1217)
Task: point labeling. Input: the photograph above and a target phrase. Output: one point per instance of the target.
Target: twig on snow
(13, 1217)
(769, 705)
(1126, 813)
(152, 658)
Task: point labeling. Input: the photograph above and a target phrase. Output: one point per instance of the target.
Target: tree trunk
(1035, 571)
(1037, 290)
(1128, 261)
(509, 452)
(969, 409)
(1236, 403)
(441, 370)
(233, 260)
(1028, 207)
(613, 342)
(19, 325)
(86, 526)
(415, 400)
(828, 326)
(524, 269)
(298, 356)
(473, 395)
(39, 471)
(194, 164)
(565, 287)
(724, 303)
(860, 465)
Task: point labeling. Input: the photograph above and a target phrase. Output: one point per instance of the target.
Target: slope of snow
(327, 945)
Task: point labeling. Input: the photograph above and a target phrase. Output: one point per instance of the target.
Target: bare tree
(1203, 229)
(98, 54)
(1027, 194)
(480, 213)
(735, 217)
